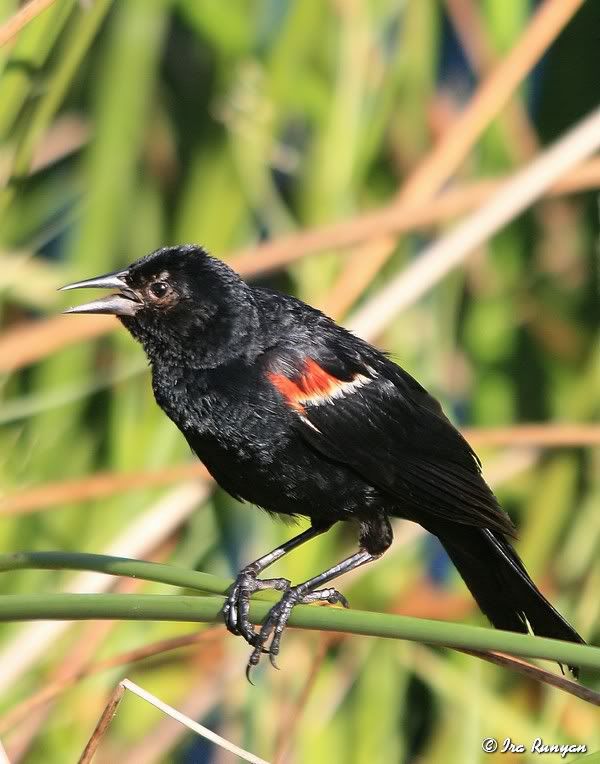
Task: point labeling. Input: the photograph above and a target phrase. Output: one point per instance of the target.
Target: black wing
(361, 409)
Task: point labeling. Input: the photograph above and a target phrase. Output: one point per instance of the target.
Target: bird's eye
(158, 289)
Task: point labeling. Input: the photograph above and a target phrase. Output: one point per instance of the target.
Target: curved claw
(338, 599)
(277, 618)
(249, 668)
(331, 596)
(235, 610)
(237, 606)
(254, 660)
(235, 613)
(273, 620)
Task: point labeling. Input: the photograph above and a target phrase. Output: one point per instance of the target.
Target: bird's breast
(249, 443)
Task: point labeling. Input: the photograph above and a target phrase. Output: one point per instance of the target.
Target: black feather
(293, 413)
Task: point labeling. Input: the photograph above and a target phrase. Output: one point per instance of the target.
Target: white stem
(191, 724)
(515, 195)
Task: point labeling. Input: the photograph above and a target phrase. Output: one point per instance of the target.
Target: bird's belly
(291, 481)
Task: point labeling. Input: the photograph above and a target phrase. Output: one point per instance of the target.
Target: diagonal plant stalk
(21, 18)
(441, 257)
(123, 566)
(208, 609)
(115, 566)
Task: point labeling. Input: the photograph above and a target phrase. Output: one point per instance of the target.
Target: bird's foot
(237, 605)
(278, 617)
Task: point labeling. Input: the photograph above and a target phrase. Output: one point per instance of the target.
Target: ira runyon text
(491, 745)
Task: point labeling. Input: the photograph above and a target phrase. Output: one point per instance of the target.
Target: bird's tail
(499, 582)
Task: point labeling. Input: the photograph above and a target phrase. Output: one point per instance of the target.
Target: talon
(254, 659)
(275, 623)
(236, 607)
(249, 668)
(338, 599)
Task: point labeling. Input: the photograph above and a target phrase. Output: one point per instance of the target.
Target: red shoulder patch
(290, 390)
(313, 386)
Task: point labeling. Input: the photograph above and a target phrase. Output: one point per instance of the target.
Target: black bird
(291, 412)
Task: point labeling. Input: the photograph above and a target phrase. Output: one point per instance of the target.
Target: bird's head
(181, 304)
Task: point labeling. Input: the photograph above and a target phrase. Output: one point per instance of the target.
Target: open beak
(125, 303)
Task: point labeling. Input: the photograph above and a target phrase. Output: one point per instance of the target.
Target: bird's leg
(375, 537)
(303, 593)
(247, 582)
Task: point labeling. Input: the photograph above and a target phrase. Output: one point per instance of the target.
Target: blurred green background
(126, 126)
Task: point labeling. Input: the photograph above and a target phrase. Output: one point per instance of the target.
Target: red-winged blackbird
(291, 412)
